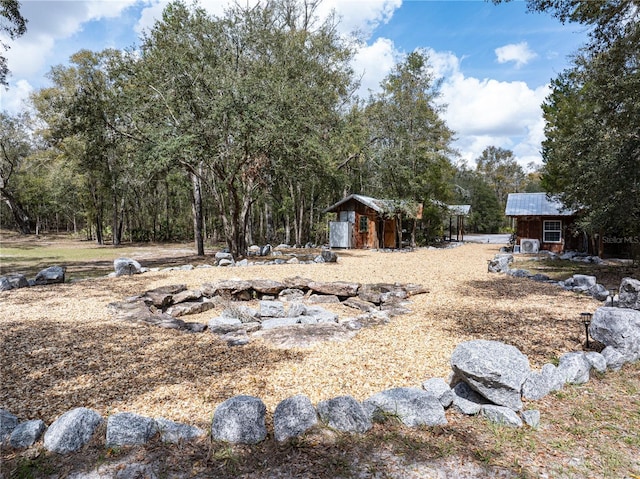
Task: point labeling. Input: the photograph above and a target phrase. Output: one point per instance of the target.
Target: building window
(552, 231)
(364, 224)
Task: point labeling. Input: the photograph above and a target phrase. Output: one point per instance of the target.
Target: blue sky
(496, 61)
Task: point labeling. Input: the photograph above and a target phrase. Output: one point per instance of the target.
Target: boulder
(615, 360)
(267, 286)
(163, 296)
(296, 309)
(293, 260)
(272, 309)
(220, 255)
(323, 299)
(291, 294)
(345, 414)
(175, 432)
(8, 422)
(501, 415)
(394, 296)
(126, 266)
(293, 417)
(500, 263)
(51, 275)
(531, 418)
(337, 288)
(360, 304)
(72, 430)
(236, 338)
(5, 285)
(191, 307)
(237, 289)
(244, 313)
(466, 400)
(629, 294)
(619, 328)
(240, 419)
(536, 386)
(440, 389)
(540, 277)
(188, 295)
(413, 406)
(597, 361)
(583, 282)
(599, 292)
(278, 322)
(266, 250)
(321, 315)
(519, 273)
(329, 256)
(223, 325)
(129, 429)
(574, 368)
(318, 259)
(555, 379)
(225, 263)
(297, 282)
(493, 369)
(17, 280)
(27, 433)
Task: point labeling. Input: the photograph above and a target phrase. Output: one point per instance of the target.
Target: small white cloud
(520, 53)
(374, 62)
(13, 100)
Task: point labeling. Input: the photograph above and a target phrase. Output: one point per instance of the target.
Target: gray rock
(5, 285)
(307, 320)
(619, 328)
(536, 386)
(293, 261)
(130, 471)
(500, 263)
(265, 250)
(574, 368)
(191, 307)
(278, 322)
(242, 263)
(629, 294)
(553, 376)
(194, 327)
(267, 286)
(291, 294)
(466, 400)
(72, 430)
(244, 313)
(519, 273)
(336, 288)
(187, 295)
(440, 389)
(296, 309)
(293, 417)
(321, 315)
(51, 275)
(240, 419)
(329, 256)
(318, 259)
(175, 432)
(540, 277)
(531, 418)
(584, 281)
(394, 296)
(27, 433)
(323, 299)
(224, 255)
(413, 406)
(126, 266)
(272, 309)
(129, 429)
(16, 281)
(236, 338)
(597, 361)
(8, 422)
(345, 414)
(223, 325)
(599, 292)
(493, 369)
(615, 360)
(225, 263)
(501, 415)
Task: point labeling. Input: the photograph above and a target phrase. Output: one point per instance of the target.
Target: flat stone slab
(305, 335)
(336, 288)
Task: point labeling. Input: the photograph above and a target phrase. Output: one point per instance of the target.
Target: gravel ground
(61, 348)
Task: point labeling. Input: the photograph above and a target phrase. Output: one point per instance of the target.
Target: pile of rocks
(579, 283)
(489, 378)
(290, 303)
(50, 275)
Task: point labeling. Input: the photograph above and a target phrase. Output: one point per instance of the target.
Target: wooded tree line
(240, 128)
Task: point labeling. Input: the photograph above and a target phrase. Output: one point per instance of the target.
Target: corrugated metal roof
(382, 207)
(534, 204)
(459, 210)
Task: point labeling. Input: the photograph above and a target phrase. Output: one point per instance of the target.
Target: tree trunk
(196, 203)
(413, 232)
(268, 218)
(19, 216)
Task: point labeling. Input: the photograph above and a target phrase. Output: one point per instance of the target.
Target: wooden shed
(541, 223)
(365, 222)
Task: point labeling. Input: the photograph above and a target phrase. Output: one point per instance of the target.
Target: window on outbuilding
(364, 224)
(552, 231)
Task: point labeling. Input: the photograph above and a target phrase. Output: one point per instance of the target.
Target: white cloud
(520, 53)
(373, 63)
(360, 15)
(12, 100)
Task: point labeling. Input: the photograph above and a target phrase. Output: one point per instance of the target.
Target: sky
(495, 61)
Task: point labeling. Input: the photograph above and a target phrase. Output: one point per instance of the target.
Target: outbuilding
(365, 222)
(542, 223)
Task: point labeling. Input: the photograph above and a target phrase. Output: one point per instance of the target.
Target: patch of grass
(28, 468)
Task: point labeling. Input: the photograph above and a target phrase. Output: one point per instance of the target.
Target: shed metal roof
(459, 210)
(382, 207)
(534, 204)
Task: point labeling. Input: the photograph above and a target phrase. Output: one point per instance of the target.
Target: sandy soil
(61, 348)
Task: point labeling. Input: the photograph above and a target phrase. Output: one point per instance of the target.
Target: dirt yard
(61, 347)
